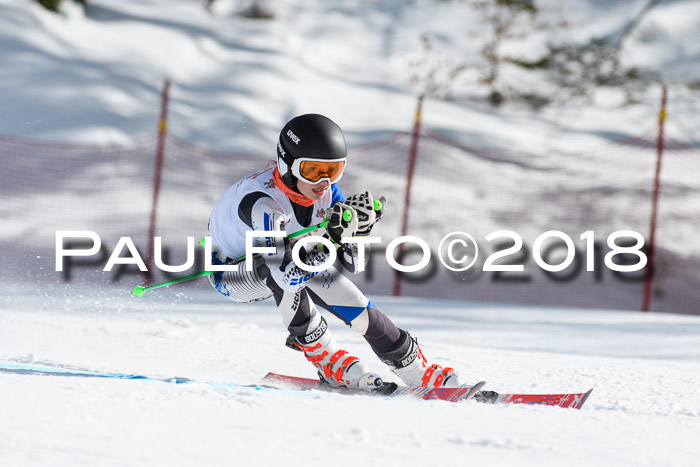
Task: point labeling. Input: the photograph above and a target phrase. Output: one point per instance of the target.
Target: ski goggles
(314, 171)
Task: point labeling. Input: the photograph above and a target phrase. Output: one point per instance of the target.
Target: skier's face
(314, 192)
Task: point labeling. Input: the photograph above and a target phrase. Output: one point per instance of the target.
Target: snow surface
(97, 79)
(644, 368)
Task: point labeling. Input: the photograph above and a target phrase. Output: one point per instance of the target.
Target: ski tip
(585, 398)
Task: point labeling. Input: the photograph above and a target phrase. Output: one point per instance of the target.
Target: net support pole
(157, 175)
(654, 206)
(407, 197)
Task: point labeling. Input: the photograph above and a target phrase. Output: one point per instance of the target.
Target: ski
(46, 369)
(573, 401)
(569, 401)
(277, 381)
(388, 390)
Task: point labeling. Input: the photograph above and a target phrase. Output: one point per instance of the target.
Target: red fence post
(407, 198)
(162, 131)
(654, 205)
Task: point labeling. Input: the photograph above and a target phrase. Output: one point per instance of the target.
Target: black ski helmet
(309, 135)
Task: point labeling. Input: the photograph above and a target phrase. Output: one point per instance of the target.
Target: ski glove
(343, 222)
(367, 211)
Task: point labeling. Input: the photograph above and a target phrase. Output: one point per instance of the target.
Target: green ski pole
(140, 290)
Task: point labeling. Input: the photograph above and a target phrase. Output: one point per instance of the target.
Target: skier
(296, 193)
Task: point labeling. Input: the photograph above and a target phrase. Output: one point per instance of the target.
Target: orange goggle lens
(313, 171)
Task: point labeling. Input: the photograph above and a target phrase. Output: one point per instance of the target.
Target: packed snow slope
(644, 368)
